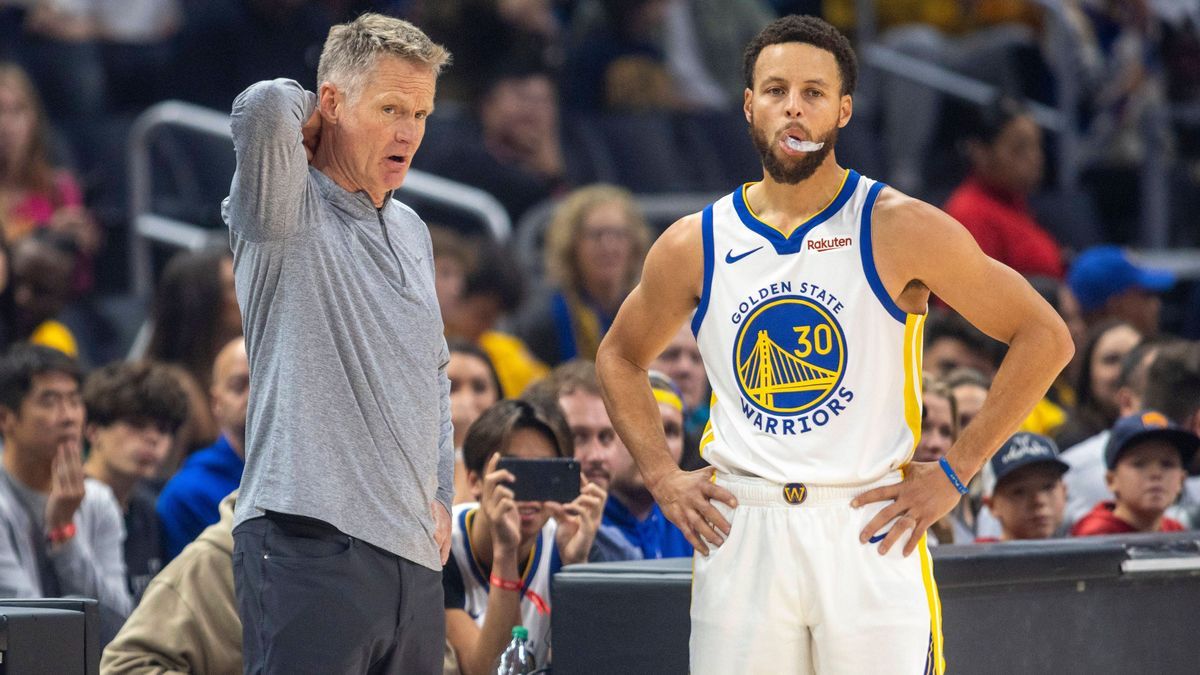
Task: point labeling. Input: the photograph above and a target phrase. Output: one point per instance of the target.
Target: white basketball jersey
(815, 371)
(539, 568)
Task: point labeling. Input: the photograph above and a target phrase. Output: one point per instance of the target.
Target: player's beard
(784, 169)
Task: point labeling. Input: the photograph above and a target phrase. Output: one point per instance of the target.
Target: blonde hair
(352, 49)
(32, 171)
(562, 236)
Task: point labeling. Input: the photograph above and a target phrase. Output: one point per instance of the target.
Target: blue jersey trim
(794, 241)
(868, 257)
(706, 231)
(526, 578)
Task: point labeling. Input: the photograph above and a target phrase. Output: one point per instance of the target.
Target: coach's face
(376, 130)
(797, 94)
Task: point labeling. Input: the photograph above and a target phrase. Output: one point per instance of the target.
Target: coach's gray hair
(352, 48)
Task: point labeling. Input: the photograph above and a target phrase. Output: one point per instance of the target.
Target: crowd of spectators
(119, 477)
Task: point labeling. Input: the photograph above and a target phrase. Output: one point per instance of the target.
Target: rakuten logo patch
(821, 245)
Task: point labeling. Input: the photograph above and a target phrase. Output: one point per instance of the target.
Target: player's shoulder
(682, 237)
(903, 220)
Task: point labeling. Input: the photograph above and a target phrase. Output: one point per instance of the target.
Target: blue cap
(1022, 450)
(1101, 272)
(1148, 425)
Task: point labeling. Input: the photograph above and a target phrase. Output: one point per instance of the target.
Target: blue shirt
(656, 536)
(188, 502)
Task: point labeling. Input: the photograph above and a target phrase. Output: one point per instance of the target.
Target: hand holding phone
(554, 479)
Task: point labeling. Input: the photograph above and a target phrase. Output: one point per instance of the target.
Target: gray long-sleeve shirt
(349, 413)
(91, 564)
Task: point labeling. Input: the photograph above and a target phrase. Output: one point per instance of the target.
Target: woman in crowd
(1005, 152)
(195, 314)
(35, 194)
(595, 247)
(1096, 386)
(474, 387)
(939, 431)
(504, 552)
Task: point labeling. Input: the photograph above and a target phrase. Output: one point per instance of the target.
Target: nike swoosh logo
(731, 258)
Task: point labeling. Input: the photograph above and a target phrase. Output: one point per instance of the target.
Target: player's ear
(846, 111)
(747, 96)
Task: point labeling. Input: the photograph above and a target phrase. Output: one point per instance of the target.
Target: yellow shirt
(1045, 419)
(53, 334)
(516, 367)
(948, 16)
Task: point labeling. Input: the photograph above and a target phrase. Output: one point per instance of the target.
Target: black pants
(315, 600)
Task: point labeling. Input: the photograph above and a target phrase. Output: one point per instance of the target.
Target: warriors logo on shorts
(789, 356)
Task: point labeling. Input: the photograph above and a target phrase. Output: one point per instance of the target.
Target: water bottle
(517, 658)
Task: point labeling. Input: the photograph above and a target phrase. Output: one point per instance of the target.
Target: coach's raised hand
(685, 497)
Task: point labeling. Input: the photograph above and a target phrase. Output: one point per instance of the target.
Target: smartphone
(553, 479)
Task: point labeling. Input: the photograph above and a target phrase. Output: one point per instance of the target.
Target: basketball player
(807, 292)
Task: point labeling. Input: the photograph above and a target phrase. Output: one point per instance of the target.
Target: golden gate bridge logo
(790, 355)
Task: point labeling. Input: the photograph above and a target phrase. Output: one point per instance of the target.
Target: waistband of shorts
(751, 491)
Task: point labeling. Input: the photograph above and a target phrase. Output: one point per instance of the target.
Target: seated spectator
(453, 259)
(681, 362)
(1146, 456)
(518, 155)
(491, 290)
(474, 387)
(1005, 152)
(504, 552)
(951, 342)
(1024, 489)
(1059, 296)
(595, 247)
(8, 311)
(187, 622)
(133, 410)
(62, 531)
(194, 315)
(618, 64)
(35, 194)
(1173, 387)
(1111, 286)
(969, 388)
(630, 507)
(939, 426)
(41, 288)
(188, 502)
(1086, 484)
(574, 388)
(1096, 387)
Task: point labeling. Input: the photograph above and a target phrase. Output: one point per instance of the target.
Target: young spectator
(1173, 387)
(492, 290)
(517, 155)
(133, 410)
(1146, 457)
(62, 531)
(631, 508)
(1024, 488)
(681, 362)
(504, 552)
(1061, 395)
(1086, 484)
(573, 387)
(188, 503)
(939, 421)
(35, 194)
(970, 389)
(41, 288)
(1111, 286)
(951, 342)
(454, 257)
(474, 387)
(187, 622)
(595, 247)
(1096, 387)
(194, 315)
(1007, 163)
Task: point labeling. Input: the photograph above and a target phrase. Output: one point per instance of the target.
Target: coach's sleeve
(267, 195)
(445, 488)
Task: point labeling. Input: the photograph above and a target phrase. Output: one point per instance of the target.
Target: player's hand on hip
(685, 497)
(924, 496)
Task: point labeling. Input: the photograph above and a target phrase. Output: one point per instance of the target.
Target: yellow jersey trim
(818, 212)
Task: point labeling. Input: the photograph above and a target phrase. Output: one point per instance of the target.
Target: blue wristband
(958, 484)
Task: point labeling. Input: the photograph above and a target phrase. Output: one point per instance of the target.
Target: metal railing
(150, 227)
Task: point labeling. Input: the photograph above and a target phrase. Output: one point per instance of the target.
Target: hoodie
(187, 621)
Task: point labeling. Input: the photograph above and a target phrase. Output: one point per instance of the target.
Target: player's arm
(920, 250)
(671, 284)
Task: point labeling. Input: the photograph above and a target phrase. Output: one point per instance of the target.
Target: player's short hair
(493, 430)
(809, 30)
(139, 393)
(352, 48)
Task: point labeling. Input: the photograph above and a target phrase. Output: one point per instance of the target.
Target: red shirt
(1004, 228)
(1101, 520)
